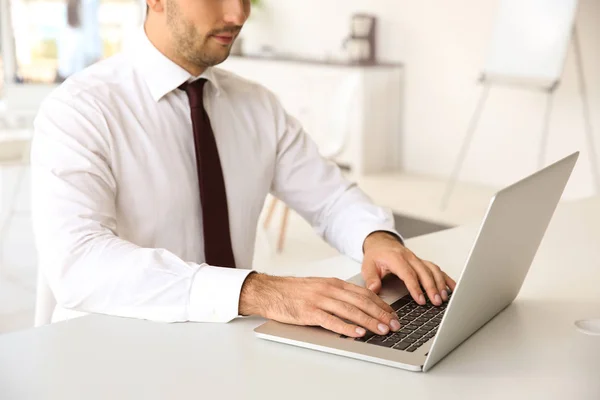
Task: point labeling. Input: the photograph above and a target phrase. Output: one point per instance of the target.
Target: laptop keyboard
(418, 325)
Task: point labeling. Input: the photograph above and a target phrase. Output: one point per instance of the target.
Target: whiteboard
(530, 41)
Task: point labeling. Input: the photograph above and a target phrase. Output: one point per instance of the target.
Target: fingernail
(372, 287)
(383, 328)
(422, 298)
(444, 295)
(360, 331)
(438, 299)
(395, 325)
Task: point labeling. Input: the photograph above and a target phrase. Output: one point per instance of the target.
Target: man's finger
(450, 282)
(368, 293)
(351, 313)
(427, 281)
(334, 324)
(367, 305)
(371, 276)
(404, 271)
(439, 277)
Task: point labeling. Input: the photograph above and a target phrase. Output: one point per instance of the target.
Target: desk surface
(531, 350)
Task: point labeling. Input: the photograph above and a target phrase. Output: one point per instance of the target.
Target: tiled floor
(18, 270)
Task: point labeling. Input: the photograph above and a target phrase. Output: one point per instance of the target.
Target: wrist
(254, 294)
(378, 237)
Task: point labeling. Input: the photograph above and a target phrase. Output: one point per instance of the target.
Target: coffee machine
(360, 45)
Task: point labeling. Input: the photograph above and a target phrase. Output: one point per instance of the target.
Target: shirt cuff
(215, 294)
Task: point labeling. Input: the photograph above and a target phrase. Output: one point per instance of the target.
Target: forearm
(315, 187)
(351, 218)
(105, 274)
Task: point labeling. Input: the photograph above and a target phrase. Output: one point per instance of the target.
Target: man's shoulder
(95, 83)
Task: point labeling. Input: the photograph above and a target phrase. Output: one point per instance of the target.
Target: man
(150, 170)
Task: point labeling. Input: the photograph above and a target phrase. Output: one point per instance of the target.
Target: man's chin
(220, 59)
(219, 55)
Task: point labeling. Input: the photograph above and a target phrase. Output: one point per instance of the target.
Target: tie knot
(194, 91)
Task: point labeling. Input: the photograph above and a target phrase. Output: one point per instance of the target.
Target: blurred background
(387, 89)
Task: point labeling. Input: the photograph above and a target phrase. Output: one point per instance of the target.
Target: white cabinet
(359, 106)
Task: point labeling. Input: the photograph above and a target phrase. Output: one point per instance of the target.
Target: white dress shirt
(116, 205)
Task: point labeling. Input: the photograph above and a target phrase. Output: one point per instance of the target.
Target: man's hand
(328, 303)
(384, 254)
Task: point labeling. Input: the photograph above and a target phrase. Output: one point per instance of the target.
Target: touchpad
(392, 287)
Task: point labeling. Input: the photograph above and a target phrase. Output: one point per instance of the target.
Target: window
(56, 38)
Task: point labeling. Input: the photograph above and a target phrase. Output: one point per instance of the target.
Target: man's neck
(162, 41)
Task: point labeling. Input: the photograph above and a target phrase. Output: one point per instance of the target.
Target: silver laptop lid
(508, 239)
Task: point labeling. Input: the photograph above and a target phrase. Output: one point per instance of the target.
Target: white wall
(443, 44)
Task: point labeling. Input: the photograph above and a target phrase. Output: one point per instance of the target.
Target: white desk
(530, 351)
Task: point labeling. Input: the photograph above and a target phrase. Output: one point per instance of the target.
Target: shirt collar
(160, 73)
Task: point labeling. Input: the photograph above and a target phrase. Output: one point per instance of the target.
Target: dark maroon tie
(215, 216)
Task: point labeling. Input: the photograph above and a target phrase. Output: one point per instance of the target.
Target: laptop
(516, 220)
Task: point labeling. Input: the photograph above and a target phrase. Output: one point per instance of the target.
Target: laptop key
(387, 343)
(411, 349)
(400, 303)
(402, 346)
(377, 340)
(395, 337)
(409, 340)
